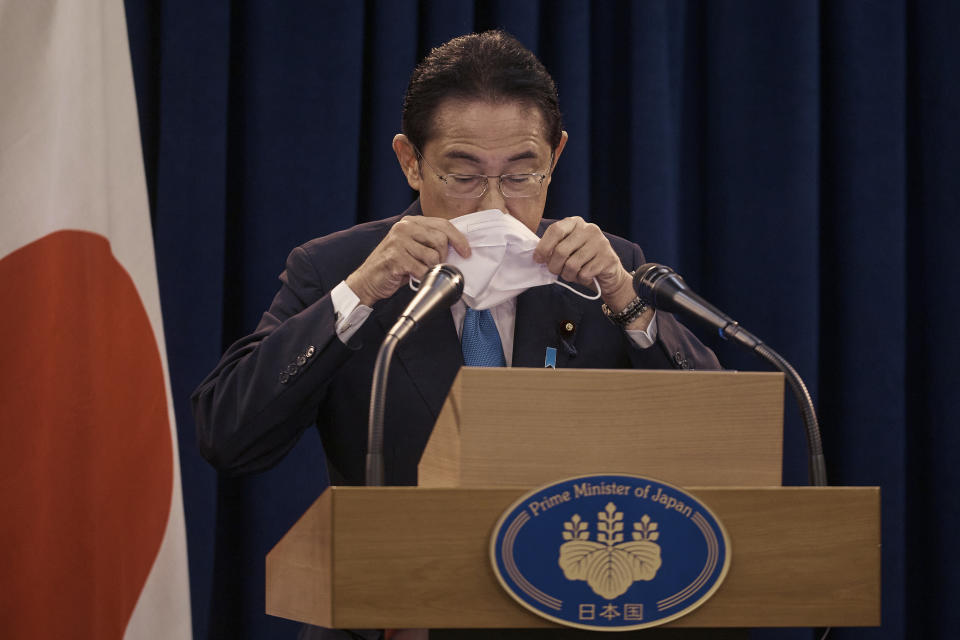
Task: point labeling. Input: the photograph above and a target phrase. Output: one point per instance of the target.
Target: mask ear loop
(582, 295)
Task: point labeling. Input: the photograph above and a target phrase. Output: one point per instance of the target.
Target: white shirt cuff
(644, 338)
(350, 313)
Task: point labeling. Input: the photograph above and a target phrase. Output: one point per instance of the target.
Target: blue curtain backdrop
(796, 161)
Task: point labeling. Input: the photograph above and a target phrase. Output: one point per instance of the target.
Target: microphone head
(441, 287)
(657, 284)
(449, 273)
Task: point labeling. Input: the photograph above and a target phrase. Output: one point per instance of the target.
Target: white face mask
(501, 263)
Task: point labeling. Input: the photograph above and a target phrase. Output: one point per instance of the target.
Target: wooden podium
(409, 557)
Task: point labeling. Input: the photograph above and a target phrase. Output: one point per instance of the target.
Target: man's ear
(409, 162)
(556, 154)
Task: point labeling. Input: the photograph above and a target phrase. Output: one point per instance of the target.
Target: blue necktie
(481, 341)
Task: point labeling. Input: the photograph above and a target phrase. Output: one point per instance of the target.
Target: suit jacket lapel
(430, 355)
(543, 315)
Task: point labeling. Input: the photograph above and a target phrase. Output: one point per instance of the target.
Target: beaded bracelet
(629, 313)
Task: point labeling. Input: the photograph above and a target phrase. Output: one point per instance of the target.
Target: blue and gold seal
(610, 552)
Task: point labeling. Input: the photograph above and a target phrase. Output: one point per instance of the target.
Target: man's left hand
(577, 251)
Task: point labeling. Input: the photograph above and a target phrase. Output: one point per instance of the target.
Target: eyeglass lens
(521, 185)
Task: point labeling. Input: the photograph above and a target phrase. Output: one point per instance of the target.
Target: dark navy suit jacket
(293, 370)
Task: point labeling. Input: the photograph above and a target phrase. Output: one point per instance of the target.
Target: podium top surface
(523, 427)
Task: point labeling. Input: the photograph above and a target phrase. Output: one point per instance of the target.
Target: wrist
(356, 284)
(622, 294)
(625, 308)
(642, 322)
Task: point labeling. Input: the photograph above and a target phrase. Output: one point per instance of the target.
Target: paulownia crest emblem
(608, 564)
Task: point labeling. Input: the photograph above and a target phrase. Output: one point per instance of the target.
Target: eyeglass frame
(486, 179)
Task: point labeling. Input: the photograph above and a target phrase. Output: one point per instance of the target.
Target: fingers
(450, 235)
(437, 233)
(456, 239)
(410, 248)
(420, 258)
(553, 235)
(578, 251)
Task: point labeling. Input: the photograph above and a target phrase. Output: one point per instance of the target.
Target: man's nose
(492, 199)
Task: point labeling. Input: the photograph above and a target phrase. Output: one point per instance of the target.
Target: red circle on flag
(86, 458)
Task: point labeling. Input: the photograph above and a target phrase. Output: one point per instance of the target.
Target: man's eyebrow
(525, 155)
(456, 154)
(462, 155)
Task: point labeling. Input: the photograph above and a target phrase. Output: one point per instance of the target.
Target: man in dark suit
(481, 130)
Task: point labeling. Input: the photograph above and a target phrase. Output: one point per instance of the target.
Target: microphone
(442, 286)
(666, 290)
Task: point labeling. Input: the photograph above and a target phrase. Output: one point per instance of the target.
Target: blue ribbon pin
(550, 361)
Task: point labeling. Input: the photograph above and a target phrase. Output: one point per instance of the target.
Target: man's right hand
(412, 246)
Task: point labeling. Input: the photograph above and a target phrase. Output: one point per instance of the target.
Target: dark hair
(491, 66)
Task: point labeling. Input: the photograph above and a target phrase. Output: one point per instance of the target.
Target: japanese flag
(92, 541)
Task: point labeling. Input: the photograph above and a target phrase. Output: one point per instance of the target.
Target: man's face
(478, 137)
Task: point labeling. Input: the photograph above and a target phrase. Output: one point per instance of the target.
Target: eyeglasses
(468, 185)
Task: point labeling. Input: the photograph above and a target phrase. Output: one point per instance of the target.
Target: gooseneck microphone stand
(441, 287)
(665, 289)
